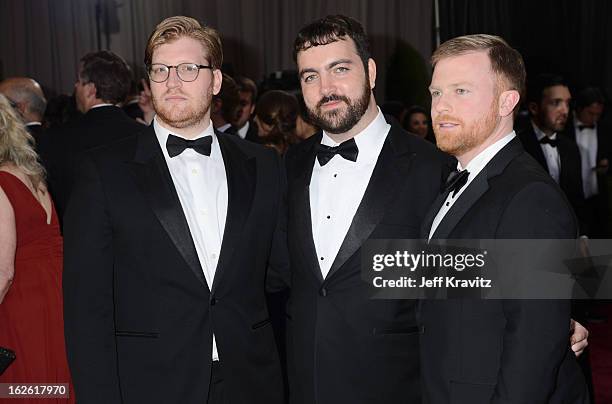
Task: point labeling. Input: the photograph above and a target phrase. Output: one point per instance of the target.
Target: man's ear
(217, 81)
(372, 72)
(533, 108)
(507, 101)
(90, 90)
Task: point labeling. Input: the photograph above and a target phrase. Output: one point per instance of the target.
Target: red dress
(31, 315)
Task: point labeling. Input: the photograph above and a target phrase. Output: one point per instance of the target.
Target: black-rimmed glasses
(159, 72)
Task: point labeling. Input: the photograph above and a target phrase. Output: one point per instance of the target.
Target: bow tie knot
(551, 142)
(347, 149)
(455, 181)
(176, 145)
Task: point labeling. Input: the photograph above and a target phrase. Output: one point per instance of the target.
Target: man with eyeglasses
(167, 240)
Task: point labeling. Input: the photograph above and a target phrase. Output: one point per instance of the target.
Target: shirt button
(335, 175)
(322, 258)
(447, 203)
(328, 216)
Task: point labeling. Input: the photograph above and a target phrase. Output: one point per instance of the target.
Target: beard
(341, 120)
(182, 116)
(470, 137)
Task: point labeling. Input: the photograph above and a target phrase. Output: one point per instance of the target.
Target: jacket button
(213, 301)
(323, 292)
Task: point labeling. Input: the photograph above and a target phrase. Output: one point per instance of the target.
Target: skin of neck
(547, 131)
(363, 123)
(189, 132)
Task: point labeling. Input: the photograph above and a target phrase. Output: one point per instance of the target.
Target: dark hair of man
(506, 62)
(230, 98)
(537, 84)
(109, 73)
(331, 29)
(246, 85)
(588, 96)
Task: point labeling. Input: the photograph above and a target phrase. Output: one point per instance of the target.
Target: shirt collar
(163, 133)
(479, 162)
(539, 134)
(242, 132)
(102, 105)
(33, 123)
(369, 141)
(225, 127)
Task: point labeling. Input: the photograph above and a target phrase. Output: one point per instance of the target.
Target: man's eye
(341, 69)
(435, 93)
(309, 78)
(461, 91)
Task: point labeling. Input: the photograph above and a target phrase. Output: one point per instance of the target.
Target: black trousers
(216, 389)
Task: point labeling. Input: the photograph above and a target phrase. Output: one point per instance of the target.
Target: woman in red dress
(31, 320)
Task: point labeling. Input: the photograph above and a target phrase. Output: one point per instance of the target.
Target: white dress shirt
(474, 167)
(586, 139)
(551, 154)
(201, 185)
(242, 132)
(336, 190)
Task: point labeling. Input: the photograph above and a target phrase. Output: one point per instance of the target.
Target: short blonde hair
(173, 28)
(506, 61)
(16, 144)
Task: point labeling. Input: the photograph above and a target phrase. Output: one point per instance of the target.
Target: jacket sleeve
(536, 337)
(88, 290)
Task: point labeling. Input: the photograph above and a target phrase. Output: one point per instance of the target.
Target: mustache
(447, 118)
(332, 97)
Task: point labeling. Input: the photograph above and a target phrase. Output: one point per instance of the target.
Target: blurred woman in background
(31, 319)
(275, 115)
(417, 121)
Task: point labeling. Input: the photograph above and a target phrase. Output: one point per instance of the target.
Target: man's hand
(578, 338)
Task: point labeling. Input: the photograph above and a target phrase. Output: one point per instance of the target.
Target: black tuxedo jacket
(501, 351)
(62, 146)
(604, 148)
(570, 176)
(139, 315)
(344, 347)
(37, 133)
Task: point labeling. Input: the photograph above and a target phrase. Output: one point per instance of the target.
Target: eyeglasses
(159, 72)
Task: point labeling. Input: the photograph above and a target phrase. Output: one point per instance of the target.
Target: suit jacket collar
(299, 198)
(473, 192)
(154, 181)
(391, 169)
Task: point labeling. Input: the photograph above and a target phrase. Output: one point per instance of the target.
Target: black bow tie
(347, 150)
(455, 181)
(581, 127)
(176, 145)
(552, 142)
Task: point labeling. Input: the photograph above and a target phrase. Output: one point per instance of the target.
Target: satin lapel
(241, 173)
(299, 203)
(391, 168)
(466, 200)
(477, 188)
(153, 179)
